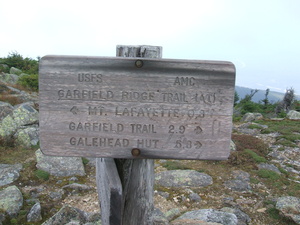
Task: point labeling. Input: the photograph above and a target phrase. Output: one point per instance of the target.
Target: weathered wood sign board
(161, 108)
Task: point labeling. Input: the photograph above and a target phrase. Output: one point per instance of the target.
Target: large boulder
(289, 206)
(70, 215)
(248, 117)
(22, 115)
(34, 214)
(11, 200)
(293, 115)
(183, 178)
(210, 215)
(240, 181)
(60, 166)
(9, 78)
(5, 109)
(28, 137)
(9, 173)
(15, 71)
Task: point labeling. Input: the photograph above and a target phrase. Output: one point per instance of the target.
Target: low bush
(29, 81)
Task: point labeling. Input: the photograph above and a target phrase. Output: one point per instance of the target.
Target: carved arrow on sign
(74, 110)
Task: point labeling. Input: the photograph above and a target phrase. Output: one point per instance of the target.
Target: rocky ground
(258, 184)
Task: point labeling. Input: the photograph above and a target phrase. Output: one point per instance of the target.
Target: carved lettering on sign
(105, 107)
(90, 77)
(184, 81)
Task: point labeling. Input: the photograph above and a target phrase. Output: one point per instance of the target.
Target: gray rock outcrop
(210, 215)
(70, 215)
(183, 178)
(27, 137)
(289, 206)
(240, 181)
(14, 70)
(5, 109)
(9, 173)
(270, 167)
(22, 115)
(243, 218)
(11, 200)
(60, 166)
(248, 117)
(293, 115)
(34, 214)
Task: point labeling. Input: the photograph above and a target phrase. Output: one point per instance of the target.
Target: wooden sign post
(134, 107)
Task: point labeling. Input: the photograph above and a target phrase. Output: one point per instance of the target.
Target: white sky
(261, 37)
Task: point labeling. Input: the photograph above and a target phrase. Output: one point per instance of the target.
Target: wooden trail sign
(135, 107)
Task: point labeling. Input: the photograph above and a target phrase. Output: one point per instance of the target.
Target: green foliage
(175, 165)
(30, 81)
(289, 131)
(256, 157)
(85, 161)
(27, 65)
(268, 174)
(273, 213)
(296, 105)
(41, 174)
(236, 98)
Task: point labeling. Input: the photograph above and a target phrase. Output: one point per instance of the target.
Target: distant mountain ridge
(260, 95)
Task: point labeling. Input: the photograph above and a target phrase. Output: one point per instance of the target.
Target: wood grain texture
(137, 175)
(105, 107)
(109, 191)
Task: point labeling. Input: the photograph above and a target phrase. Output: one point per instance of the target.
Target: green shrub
(41, 174)
(30, 81)
(263, 173)
(175, 165)
(257, 158)
(27, 65)
(85, 161)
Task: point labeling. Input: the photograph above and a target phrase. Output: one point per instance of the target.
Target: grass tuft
(257, 158)
(41, 174)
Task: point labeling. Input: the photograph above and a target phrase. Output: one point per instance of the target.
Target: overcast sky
(261, 37)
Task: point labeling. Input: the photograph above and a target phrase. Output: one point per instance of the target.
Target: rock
(183, 178)
(56, 195)
(171, 214)
(194, 197)
(289, 206)
(65, 215)
(270, 167)
(240, 181)
(210, 215)
(34, 214)
(11, 200)
(238, 185)
(9, 173)
(163, 194)
(60, 166)
(14, 70)
(293, 115)
(27, 137)
(77, 187)
(243, 218)
(240, 175)
(5, 109)
(248, 117)
(22, 115)
(159, 218)
(192, 222)
(232, 146)
(4, 68)
(9, 78)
